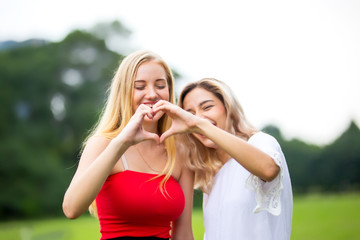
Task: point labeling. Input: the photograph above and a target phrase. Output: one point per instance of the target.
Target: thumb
(165, 135)
(152, 136)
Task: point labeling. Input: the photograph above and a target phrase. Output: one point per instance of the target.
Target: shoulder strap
(123, 159)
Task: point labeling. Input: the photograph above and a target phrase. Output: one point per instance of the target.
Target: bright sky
(295, 64)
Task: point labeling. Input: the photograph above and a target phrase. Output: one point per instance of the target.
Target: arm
(251, 158)
(97, 161)
(182, 227)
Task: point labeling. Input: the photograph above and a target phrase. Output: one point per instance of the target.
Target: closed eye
(160, 83)
(139, 87)
(208, 107)
(191, 111)
(161, 86)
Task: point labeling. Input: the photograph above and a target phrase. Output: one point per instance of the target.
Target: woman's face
(150, 86)
(205, 104)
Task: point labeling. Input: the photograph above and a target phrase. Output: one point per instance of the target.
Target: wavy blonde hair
(203, 160)
(119, 107)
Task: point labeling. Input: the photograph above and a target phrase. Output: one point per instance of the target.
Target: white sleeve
(267, 194)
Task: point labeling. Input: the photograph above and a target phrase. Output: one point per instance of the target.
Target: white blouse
(242, 206)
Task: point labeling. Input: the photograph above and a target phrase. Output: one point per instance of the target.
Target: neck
(149, 144)
(150, 127)
(222, 155)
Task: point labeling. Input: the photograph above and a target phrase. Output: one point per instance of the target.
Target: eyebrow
(157, 80)
(202, 103)
(205, 101)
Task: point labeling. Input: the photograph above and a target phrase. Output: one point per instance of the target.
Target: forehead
(150, 69)
(197, 96)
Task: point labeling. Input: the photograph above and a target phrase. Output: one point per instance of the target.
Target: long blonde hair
(202, 160)
(119, 106)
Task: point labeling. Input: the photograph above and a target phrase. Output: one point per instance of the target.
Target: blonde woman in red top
(135, 185)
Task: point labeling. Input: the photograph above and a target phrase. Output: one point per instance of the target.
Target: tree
(337, 168)
(51, 95)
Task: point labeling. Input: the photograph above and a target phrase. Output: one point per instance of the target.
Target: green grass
(318, 217)
(86, 227)
(315, 217)
(198, 224)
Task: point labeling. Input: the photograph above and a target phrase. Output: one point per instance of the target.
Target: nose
(198, 113)
(151, 93)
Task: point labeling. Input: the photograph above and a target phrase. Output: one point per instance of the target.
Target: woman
(131, 180)
(242, 171)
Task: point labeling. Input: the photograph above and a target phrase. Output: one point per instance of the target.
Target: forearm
(251, 158)
(186, 234)
(85, 186)
(182, 227)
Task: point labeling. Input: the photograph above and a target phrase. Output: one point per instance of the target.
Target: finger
(165, 135)
(160, 103)
(164, 107)
(143, 107)
(150, 115)
(145, 110)
(152, 136)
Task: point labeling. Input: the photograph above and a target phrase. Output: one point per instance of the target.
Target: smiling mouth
(200, 135)
(150, 104)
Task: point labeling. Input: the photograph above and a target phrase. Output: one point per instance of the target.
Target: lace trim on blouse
(267, 194)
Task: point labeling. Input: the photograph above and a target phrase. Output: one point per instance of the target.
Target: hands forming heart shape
(182, 122)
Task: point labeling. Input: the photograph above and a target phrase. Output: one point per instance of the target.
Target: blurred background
(294, 66)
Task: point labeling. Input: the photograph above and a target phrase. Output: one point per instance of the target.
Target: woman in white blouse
(242, 171)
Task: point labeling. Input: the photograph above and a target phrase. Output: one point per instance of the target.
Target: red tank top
(130, 205)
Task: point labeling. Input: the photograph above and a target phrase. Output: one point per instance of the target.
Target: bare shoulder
(97, 142)
(183, 170)
(93, 148)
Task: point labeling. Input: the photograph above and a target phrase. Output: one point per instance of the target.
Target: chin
(206, 142)
(209, 144)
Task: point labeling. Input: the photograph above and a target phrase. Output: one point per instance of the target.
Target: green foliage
(337, 168)
(51, 96)
(198, 198)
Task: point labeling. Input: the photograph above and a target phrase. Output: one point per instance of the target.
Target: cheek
(135, 101)
(222, 119)
(205, 141)
(165, 95)
(222, 123)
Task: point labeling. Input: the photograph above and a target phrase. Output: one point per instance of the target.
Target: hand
(182, 121)
(133, 132)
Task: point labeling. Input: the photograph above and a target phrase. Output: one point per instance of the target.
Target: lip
(212, 122)
(150, 104)
(200, 135)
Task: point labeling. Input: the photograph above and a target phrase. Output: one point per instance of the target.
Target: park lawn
(315, 217)
(84, 228)
(318, 217)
